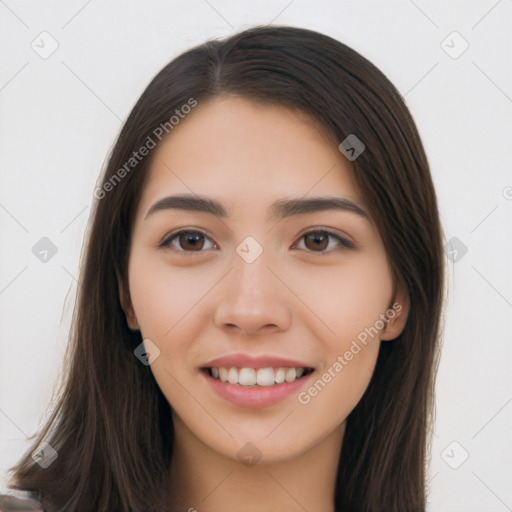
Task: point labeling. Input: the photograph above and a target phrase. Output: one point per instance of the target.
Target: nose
(253, 299)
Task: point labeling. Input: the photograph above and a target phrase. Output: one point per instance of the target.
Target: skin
(292, 301)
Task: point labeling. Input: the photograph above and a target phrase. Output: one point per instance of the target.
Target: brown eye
(316, 241)
(186, 242)
(319, 240)
(191, 241)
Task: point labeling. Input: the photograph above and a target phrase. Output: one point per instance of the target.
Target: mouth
(255, 381)
(257, 377)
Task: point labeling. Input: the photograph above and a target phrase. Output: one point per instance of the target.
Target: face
(254, 288)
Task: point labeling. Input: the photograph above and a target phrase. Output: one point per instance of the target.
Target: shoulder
(19, 502)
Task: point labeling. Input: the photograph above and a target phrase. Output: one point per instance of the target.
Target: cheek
(347, 302)
(164, 296)
(169, 303)
(344, 299)
(349, 349)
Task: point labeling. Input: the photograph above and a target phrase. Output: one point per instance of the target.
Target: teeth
(233, 376)
(290, 375)
(265, 377)
(279, 376)
(246, 377)
(223, 374)
(262, 377)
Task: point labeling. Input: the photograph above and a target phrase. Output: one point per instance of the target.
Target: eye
(318, 241)
(188, 241)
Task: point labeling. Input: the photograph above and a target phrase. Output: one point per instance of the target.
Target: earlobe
(126, 305)
(396, 315)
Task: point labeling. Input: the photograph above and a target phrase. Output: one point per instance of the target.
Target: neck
(204, 480)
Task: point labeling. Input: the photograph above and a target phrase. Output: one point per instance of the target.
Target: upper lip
(250, 361)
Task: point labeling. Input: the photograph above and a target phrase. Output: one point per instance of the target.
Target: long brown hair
(112, 427)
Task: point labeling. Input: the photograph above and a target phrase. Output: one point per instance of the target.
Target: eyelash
(167, 241)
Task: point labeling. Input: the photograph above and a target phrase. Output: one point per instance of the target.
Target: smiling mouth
(252, 377)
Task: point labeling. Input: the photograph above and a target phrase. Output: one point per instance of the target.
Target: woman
(258, 318)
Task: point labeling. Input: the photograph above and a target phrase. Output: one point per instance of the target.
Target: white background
(59, 117)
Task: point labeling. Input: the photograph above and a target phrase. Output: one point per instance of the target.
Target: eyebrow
(279, 210)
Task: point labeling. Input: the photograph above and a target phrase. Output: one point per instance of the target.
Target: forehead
(249, 152)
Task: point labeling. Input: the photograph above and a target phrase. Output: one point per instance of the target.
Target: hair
(112, 426)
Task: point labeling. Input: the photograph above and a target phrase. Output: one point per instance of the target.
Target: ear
(396, 314)
(126, 304)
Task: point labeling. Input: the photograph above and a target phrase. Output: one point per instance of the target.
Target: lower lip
(255, 396)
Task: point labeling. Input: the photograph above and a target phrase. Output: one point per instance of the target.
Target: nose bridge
(250, 282)
(252, 297)
(251, 270)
